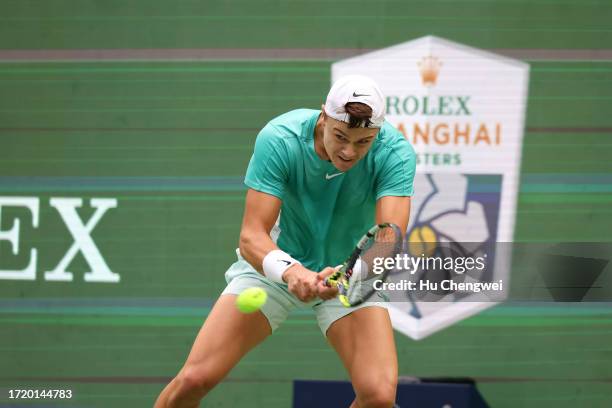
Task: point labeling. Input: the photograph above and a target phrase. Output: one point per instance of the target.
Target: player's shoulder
(391, 141)
(289, 128)
(293, 124)
(287, 132)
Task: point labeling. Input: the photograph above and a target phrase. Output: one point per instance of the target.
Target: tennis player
(316, 182)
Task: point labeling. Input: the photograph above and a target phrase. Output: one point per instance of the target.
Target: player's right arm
(268, 177)
(260, 214)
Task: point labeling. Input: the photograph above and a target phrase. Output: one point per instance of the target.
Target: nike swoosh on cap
(356, 95)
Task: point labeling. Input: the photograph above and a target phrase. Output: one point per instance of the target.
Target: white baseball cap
(356, 88)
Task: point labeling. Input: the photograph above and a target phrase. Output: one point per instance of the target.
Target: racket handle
(333, 279)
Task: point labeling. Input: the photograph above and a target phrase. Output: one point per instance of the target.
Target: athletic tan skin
(227, 334)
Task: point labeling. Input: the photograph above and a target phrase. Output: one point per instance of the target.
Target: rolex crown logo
(430, 68)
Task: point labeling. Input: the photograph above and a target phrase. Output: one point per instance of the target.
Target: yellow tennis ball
(422, 241)
(251, 300)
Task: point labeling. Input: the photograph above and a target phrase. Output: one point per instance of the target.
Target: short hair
(359, 114)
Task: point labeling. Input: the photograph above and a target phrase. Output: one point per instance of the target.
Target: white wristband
(275, 263)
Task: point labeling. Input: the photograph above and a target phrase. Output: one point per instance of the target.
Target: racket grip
(333, 279)
(330, 281)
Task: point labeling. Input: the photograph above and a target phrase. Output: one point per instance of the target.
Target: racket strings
(372, 263)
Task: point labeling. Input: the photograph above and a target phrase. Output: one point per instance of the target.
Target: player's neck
(319, 147)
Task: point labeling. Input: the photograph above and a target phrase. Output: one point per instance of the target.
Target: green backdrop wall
(157, 104)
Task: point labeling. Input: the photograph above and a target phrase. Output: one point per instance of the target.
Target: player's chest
(345, 189)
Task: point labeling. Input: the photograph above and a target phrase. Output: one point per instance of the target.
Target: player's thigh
(364, 341)
(226, 336)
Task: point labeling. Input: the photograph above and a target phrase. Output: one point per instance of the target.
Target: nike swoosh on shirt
(331, 176)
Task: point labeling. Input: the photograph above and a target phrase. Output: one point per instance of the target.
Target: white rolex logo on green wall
(79, 229)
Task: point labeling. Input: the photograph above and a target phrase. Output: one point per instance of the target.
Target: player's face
(346, 146)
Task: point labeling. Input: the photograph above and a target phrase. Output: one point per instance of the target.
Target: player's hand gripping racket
(356, 276)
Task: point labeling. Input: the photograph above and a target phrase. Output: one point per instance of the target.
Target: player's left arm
(394, 209)
(394, 183)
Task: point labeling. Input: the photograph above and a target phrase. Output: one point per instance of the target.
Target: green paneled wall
(171, 140)
(293, 23)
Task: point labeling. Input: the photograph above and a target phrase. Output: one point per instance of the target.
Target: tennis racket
(355, 278)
